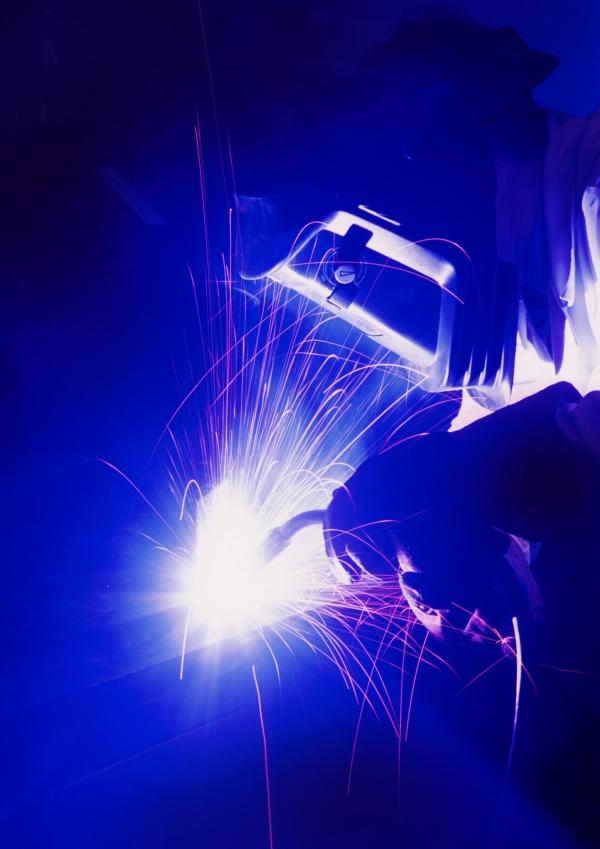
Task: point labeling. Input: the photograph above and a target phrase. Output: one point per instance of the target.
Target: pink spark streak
(264, 736)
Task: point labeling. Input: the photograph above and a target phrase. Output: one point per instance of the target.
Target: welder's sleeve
(441, 499)
(572, 220)
(526, 477)
(588, 179)
(580, 423)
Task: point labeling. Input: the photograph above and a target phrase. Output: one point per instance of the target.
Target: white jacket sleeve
(572, 217)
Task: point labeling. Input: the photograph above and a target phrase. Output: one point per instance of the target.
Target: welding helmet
(452, 318)
(453, 321)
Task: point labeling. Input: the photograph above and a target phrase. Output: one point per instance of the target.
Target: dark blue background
(96, 319)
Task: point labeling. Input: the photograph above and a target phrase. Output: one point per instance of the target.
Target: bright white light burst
(229, 588)
(226, 578)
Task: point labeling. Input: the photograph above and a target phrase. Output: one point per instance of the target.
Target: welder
(446, 137)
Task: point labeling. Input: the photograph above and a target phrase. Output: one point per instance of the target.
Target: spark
(283, 404)
(518, 654)
(519, 674)
(286, 402)
(265, 752)
(414, 684)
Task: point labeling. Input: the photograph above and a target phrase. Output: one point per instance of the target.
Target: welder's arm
(580, 423)
(437, 500)
(402, 509)
(531, 465)
(407, 513)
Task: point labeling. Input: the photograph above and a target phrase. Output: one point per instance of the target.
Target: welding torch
(281, 537)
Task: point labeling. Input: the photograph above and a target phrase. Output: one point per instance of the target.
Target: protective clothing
(439, 508)
(548, 226)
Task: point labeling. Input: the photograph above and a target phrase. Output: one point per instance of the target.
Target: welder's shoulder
(546, 401)
(503, 432)
(525, 418)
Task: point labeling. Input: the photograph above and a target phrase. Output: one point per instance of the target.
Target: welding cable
(281, 537)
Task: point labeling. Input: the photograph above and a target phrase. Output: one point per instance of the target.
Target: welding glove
(453, 572)
(438, 510)
(401, 514)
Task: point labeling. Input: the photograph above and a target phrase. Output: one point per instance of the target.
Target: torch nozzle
(278, 539)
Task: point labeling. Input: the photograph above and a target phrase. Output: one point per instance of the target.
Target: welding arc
(280, 538)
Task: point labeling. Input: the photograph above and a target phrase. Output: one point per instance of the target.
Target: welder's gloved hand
(355, 545)
(408, 513)
(393, 509)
